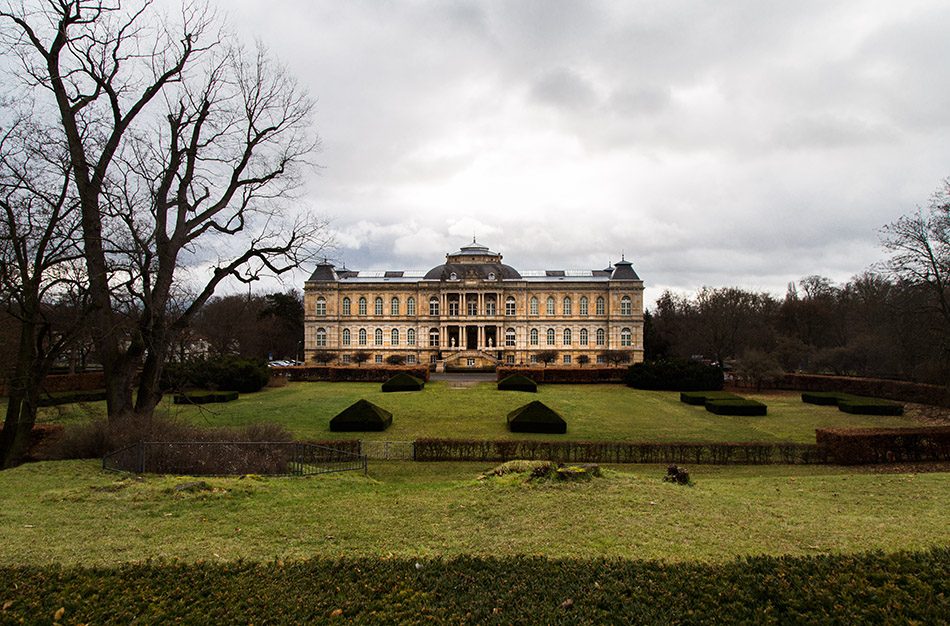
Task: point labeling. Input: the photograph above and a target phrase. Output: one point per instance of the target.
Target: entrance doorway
(471, 337)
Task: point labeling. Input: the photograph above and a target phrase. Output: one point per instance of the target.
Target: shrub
(885, 445)
(736, 406)
(361, 416)
(699, 398)
(403, 382)
(205, 397)
(536, 417)
(869, 406)
(517, 382)
(226, 373)
(674, 376)
(824, 398)
(395, 359)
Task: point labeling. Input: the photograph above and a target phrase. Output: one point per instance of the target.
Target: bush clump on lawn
(361, 416)
(403, 382)
(536, 417)
(205, 397)
(870, 406)
(698, 398)
(517, 382)
(736, 406)
(223, 373)
(674, 375)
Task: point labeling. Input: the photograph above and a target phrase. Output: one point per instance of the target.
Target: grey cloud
(563, 87)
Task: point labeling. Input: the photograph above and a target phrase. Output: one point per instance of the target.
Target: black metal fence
(220, 458)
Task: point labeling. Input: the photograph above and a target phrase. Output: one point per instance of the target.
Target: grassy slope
(72, 513)
(604, 412)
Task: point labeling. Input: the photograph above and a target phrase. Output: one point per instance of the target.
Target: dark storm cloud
(734, 142)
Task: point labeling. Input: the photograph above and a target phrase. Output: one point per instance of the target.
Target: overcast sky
(724, 143)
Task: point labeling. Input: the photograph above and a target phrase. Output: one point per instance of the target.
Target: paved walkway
(463, 379)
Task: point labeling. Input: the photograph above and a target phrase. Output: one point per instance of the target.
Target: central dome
(472, 261)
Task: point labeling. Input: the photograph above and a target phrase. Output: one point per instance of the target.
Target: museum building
(475, 312)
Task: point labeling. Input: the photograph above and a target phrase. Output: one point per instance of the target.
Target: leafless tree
(184, 150)
(39, 254)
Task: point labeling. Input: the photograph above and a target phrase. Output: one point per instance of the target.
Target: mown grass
(73, 513)
(593, 412)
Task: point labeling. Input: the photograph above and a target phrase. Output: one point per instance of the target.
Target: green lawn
(71, 512)
(593, 412)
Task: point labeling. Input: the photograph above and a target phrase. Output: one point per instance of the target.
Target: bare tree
(39, 249)
(181, 149)
(546, 356)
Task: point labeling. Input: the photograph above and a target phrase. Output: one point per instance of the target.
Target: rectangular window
(583, 306)
(411, 359)
(362, 307)
(378, 308)
(471, 362)
(600, 306)
(433, 359)
(567, 359)
(453, 308)
(411, 306)
(601, 359)
(379, 358)
(510, 307)
(490, 307)
(473, 308)
(346, 359)
(433, 307)
(510, 359)
(534, 306)
(550, 306)
(534, 358)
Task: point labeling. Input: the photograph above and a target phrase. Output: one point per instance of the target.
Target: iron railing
(222, 458)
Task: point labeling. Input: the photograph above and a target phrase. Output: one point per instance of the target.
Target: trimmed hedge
(869, 406)
(227, 373)
(698, 398)
(871, 588)
(336, 373)
(674, 376)
(885, 445)
(555, 374)
(824, 398)
(69, 397)
(517, 382)
(899, 390)
(361, 416)
(736, 406)
(205, 397)
(536, 417)
(618, 452)
(403, 382)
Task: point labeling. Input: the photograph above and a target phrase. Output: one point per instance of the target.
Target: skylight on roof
(578, 273)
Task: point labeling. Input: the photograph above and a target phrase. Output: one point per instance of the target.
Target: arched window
(362, 336)
(510, 306)
(600, 306)
(550, 336)
(346, 336)
(411, 337)
(434, 336)
(601, 337)
(394, 306)
(378, 337)
(626, 307)
(583, 305)
(433, 306)
(534, 336)
(533, 307)
(394, 337)
(626, 337)
(321, 307)
(346, 306)
(566, 306)
(567, 337)
(411, 306)
(583, 337)
(510, 337)
(550, 305)
(321, 337)
(362, 306)
(378, 308)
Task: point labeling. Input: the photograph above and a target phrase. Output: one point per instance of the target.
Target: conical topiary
(517, 382)
(404, 382)
(361, 416)
(536, 417)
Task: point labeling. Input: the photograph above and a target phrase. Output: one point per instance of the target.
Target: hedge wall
(369, 374)
(878, 588)
(68, 397)
(565, 375)
(735, 406)
(617, 452)
(874, 387)
(885, 445)
(55, 383)
(205, 397)
(674, 375)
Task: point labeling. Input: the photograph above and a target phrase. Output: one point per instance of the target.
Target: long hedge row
(617, 452)
(367, 374)
(885, 445)
(904, 587)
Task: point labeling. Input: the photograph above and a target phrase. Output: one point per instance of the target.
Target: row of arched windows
(567, 306)
(534, 337)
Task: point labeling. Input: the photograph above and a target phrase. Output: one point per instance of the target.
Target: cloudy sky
(743, 143)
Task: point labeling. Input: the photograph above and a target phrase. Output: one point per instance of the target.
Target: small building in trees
(474, 312)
